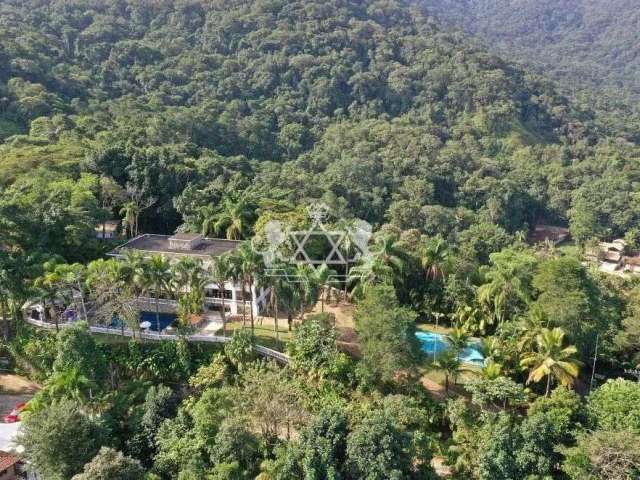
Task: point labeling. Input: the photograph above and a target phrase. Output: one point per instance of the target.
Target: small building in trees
(107, 230)
(614, 257)
(632, 264)
(8, 466)
(548, 233)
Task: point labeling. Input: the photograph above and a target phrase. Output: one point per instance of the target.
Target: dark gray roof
(186, 236)
(151, 243)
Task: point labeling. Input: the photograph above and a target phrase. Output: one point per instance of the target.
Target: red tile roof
(555, 234)
(7, 460)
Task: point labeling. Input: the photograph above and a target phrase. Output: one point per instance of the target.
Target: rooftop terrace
(177, 245)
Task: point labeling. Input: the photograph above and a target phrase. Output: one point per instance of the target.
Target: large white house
(197, 246)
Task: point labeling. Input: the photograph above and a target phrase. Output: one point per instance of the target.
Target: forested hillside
(458, 346)
(591, 47)
(364, 104)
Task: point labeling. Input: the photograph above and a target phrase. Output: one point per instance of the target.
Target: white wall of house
(256, 298)
(233, 301)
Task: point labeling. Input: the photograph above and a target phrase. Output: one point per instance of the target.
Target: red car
(14, 416)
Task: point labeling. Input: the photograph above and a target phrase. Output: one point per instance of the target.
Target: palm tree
(221, 271)
(288, 291)
(188, 281)
(491, 370)
(491, 347)
(449, 364)
(130, 212)
(71, 277)
(350, 248)
(434, 258)
(280, 287)
(471, 318)
(504, 287)
(458, 338)
(385, 264)
(233, 217)
(552, 359)
(49, 287)
(305, 281)
(249, 265)
(237, 275)
(99, 271)
(188, 275)
(372, 271)
(390, 252)
(325, 278)
(157, 277)
(113, 291)
(207, 217)
(49, 284)
(529, 326)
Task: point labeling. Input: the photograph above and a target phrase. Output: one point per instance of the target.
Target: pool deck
(260, 349)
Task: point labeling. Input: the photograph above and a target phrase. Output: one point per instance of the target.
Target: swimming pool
(166, 319)
(433, 343)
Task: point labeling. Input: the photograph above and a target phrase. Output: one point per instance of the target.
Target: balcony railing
(264, 351)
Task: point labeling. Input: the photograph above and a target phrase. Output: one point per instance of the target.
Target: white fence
(264, 351)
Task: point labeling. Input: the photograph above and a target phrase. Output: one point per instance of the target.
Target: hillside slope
(593, 43)
(591, 48)
(367, 105)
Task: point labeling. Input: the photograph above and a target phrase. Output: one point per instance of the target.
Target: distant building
(614, 257)
(8, 466)
(632, 264)
(197, 246)
(551, 233)
(108, 230)
(12, 466)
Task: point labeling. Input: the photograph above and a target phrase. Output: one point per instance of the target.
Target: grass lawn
(265, 333)
(109, 339)
(431, 327)
(438, 377)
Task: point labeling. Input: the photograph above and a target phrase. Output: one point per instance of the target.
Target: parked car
(14, 415)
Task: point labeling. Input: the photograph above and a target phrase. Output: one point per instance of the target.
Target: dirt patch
(440, 466)
(15, 389)
(346, 334)
(343, 313)
(435, 389)
(17, 385)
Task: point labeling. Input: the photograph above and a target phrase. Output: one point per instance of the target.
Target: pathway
(264, 351)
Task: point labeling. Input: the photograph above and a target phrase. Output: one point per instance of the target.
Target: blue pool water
(435, 343)
(166, 319)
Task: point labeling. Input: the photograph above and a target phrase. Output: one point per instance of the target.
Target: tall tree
(157, 278)
(434, 258)
(325, 279)
(130, 212)
(387, 337)
(221, 272)
(551, 358)
(110, 464)
(42, 433)
(249, 264)
(233, 217)
(507, 284)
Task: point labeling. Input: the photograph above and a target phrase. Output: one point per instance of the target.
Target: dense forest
(376, 111)
(590, 47)
(217, 116)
